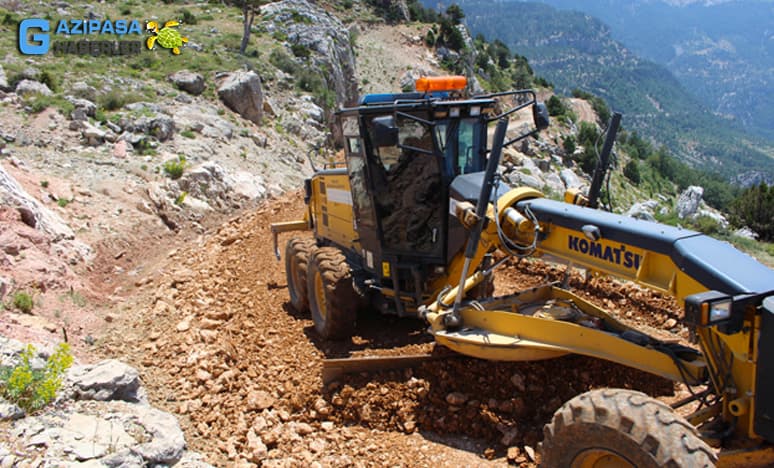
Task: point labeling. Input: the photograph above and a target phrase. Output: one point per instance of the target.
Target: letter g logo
(38, 43)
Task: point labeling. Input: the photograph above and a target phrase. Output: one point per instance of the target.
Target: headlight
(708, 308)
(719, 310)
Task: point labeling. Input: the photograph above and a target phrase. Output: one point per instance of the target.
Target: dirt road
(218, 344)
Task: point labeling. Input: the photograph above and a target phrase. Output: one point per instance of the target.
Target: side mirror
(385, 132)
(540, 116)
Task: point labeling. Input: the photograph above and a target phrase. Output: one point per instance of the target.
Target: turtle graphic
(166, 37)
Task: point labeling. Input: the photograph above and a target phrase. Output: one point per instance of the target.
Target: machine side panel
(332, 207)
(714, 264)
(764, 374)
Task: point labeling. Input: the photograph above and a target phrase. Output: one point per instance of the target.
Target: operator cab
(403, 151)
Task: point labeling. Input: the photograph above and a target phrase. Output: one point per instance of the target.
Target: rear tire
(297, 253)
(332, 297)
(621, 428)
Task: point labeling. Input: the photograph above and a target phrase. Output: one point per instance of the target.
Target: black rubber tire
(635, 427)
(334, 306)
(297, 253)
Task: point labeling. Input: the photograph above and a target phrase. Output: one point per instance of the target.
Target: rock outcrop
(192, 83)
(689, 200)
(32, 211)
(241, 92)
(323, 34)
(27, 87)
(97, 420)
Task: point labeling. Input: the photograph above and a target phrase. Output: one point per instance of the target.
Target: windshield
(460, 141)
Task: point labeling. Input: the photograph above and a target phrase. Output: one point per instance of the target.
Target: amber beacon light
(427, 84)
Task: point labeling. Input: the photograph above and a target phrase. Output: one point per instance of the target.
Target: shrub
(187, 16)
(555, 106)
(23, 302)
(174, 169)
(568, 143)
(115, 100)
(300, 50)
(30, 388)
(632, 172)
(62, 202)
(48, 79)
(280, 59)
(188, 134)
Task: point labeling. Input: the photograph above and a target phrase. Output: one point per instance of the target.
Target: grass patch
(23, 302)
(116, 99)
(38, 103)
(188, 134)
(174, 169)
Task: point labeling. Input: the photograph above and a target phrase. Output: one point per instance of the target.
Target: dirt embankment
(219, 345)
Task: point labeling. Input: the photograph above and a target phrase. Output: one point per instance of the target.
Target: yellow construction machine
(408, 223)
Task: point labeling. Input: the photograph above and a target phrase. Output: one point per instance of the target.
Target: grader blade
(333, 369)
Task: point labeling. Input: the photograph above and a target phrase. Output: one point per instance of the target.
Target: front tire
(621, 428)
(332, 297)
(297, 253)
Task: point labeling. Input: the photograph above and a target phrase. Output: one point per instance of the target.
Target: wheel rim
(600, 458)
(319, 295)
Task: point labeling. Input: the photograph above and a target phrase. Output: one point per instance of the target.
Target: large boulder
(88, 108)
(570, 179)
(241, 92)
(643, 210)
(106, 380)
(27, 87)
(192, 83)
(162, 127)
(82, 90)
(212, 183)
(688, 201)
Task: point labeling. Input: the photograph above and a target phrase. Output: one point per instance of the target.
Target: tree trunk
(248, 15)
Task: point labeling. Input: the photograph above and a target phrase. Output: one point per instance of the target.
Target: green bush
(300, 50)
(187, 17)
(632, 172)
(23, 302)
(115, 100)
(280, 59)
(555, 106)
(174, 169)
(568, 143)
(48, 79)
(30, 388)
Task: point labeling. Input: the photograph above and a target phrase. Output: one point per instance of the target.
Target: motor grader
(408, 225)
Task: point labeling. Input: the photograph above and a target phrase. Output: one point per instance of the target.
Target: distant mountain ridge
(575, 50)
(721, 51)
